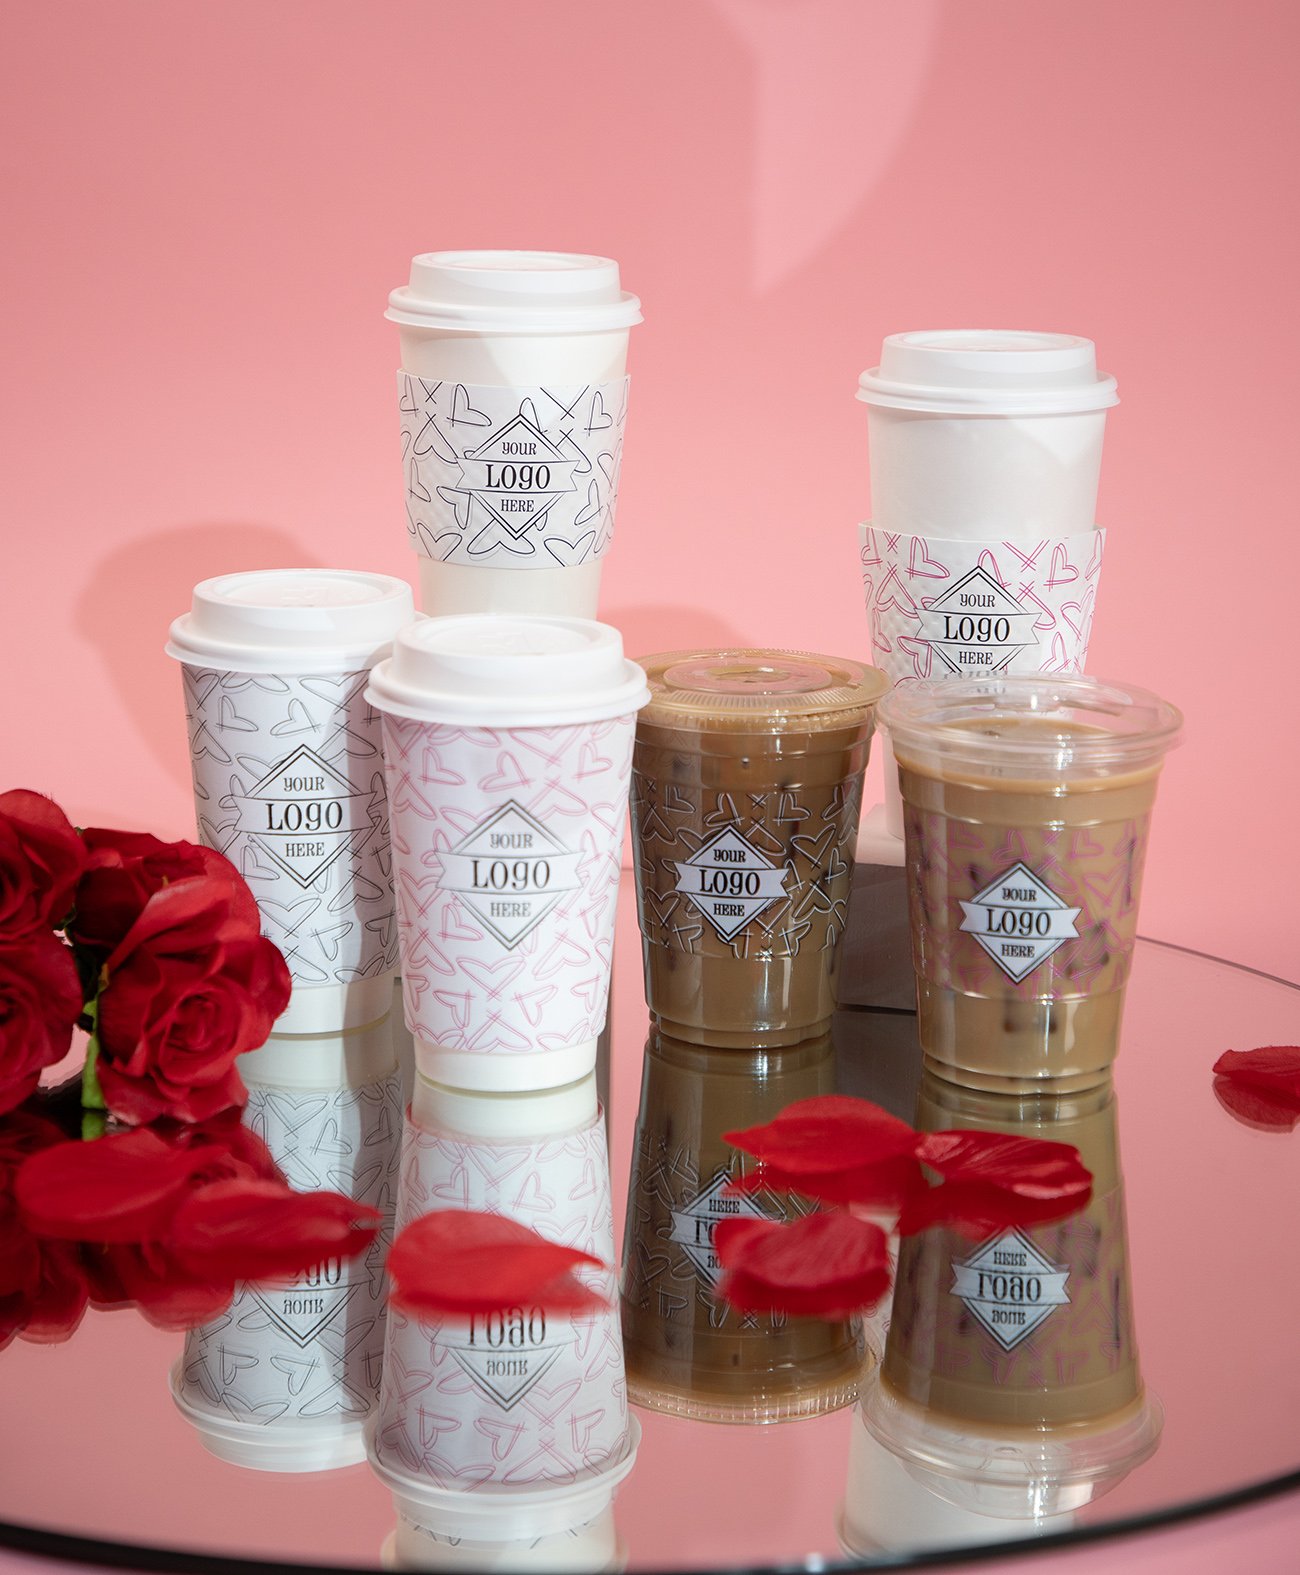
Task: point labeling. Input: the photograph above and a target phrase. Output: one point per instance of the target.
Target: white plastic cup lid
(486, 670)
(513, 292)
(291, 620)
(505, 1117)
(988, 372)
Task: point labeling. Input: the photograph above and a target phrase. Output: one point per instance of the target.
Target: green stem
(92, 1095)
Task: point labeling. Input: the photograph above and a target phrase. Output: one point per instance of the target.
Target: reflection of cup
(519, 1415)
(889, 1508)
(686, 1352)
(507, 743)
(983, 552)
(478, 1541)
(286, 1379)
(1010, 1379)
(1027, 804)
(288, 776)
(746, 789)
(513, 397)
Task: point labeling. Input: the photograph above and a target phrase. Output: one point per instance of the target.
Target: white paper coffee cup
(288, 771)
(512, 396)
(508, 745)
(287, 1377)
(982, 554)
(514, 1423)
(459, 1542)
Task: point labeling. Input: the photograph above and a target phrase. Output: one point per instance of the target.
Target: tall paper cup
(1027, 806)
(508, 744)
(983, 553)
(516, 1421)
(513, 397)
(288, 773)
(287, 1378)
(1010, 1382)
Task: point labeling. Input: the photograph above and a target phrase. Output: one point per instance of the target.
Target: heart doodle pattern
(304, 810)
(506, 971)
(315, 1347)
(925, 596)
(782, 941)
(521, 477)
(550, 1406)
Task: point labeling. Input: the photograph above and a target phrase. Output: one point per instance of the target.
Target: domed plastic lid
(997, 372)
(486, 670)
(766, 690)
(1029, 724)
(491, 292)
(291, 620)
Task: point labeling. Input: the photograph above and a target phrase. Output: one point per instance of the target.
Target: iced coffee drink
(1027, 804)
(687, 1352)
(746, 793)
(1015, 1355)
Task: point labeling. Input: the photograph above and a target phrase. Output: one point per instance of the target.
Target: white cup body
(476, 1412)
(287, 1378)
(493, 331)
(507, 851)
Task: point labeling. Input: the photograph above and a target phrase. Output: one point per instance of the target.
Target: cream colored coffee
(1026, 812)
(687, 1352)
(1030, 1326)
(746, 794)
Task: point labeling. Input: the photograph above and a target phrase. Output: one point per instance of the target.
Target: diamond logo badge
(511, 871)
(304, 814)
(1019, 921)
(730, 882)
(977, 626)
(518, 475)
(505, 1375)
(694, 1222)
(303, 1314)
(1010, 1287)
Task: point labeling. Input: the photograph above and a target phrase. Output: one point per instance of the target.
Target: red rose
(41, 857)
(187, 990)
(42, 1283)
(40, 1001)
(177, 1216)
(125, 868)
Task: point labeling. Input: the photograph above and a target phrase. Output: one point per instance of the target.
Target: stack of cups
(513, 397)
(287, 1378)
(288, 772)
(508, 746)
(982, 555)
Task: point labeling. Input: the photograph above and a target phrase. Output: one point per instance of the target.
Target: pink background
(206, 204)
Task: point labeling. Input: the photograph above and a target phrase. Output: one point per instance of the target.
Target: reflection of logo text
(1019, 921)
(505, 1353)
(977, 626)
(303, 814)
(1010, 1287)
(511, 871)
(694, 1222)
(730, 882)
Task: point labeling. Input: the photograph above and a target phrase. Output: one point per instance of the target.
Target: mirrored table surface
(95, 1449)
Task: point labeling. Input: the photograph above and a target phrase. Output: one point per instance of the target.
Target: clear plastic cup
(507, 743)
(289, 776)
(513, 398)
(1027, 806)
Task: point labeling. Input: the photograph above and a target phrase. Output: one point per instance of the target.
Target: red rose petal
(249, 1229)
(827, 1265)
(120, 1188)
(1256, 1106)
(996, 1181)
(1275, 1068)
(461, 1261)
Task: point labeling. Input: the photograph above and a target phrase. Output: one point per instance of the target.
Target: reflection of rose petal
(1257, 1107)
